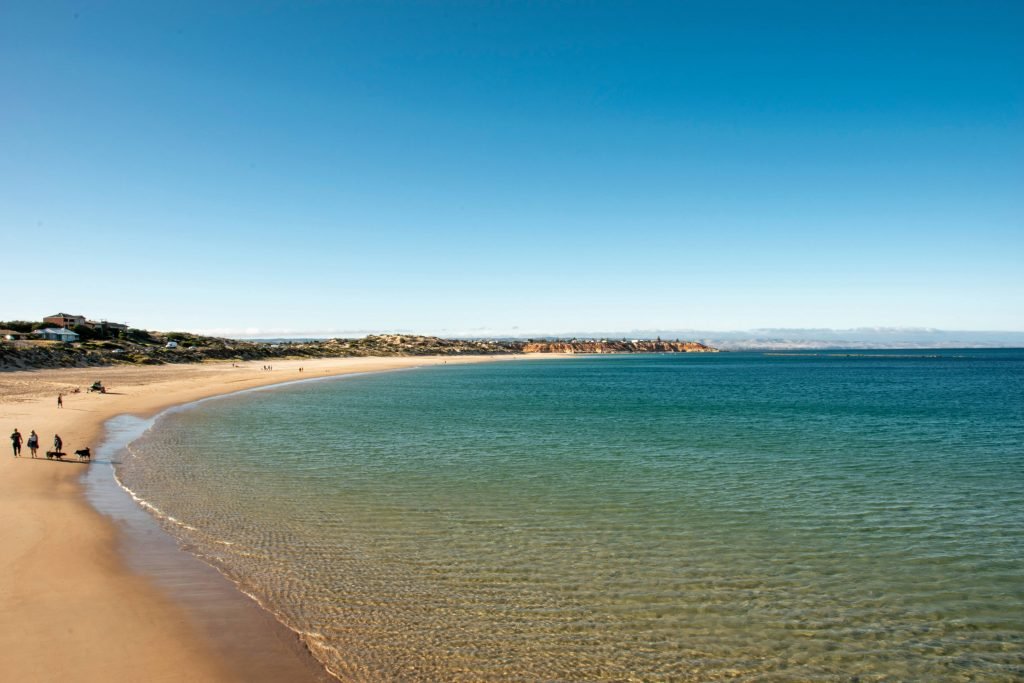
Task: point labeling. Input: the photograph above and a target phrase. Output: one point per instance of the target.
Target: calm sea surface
(684, 517)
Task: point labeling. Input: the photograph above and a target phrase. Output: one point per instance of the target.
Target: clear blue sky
(513, 167)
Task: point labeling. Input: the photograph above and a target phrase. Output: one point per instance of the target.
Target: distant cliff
(607, 346)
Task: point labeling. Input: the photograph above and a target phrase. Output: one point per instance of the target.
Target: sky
(276, 168)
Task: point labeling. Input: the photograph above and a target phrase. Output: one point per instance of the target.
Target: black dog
(84, 454)
(55, 454)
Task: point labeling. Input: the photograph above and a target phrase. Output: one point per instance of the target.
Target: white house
(57, 334)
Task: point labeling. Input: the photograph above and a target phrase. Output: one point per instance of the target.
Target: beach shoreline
(74, 605)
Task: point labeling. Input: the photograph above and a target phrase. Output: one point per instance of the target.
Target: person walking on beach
(16, 441)
(60, 400)
(58, 444)
(33, 442)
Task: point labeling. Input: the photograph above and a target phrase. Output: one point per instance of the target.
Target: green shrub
(86, 333)
(22, 326)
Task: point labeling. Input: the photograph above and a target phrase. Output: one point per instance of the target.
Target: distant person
(16, 441)
(33, 442)
(58, 443)
(60, 400)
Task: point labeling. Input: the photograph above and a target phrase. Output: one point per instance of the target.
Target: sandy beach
(71, 607)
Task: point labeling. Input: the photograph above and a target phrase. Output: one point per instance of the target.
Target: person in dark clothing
(58, 444)
(16, 441)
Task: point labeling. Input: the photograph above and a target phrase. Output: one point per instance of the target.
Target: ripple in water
(626, 518)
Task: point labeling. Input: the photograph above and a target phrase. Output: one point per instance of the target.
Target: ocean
(735, 516)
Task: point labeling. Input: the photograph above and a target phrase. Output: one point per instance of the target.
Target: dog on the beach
(84, 453)
(55, 454)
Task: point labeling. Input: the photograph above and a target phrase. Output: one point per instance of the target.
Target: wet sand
(91, 596)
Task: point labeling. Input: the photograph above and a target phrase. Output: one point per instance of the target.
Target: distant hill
(863, 338)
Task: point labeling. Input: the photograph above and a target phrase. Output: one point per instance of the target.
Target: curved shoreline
(74, 606)
(258, 648)
(235, 624)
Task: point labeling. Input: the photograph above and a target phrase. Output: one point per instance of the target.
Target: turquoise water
(676, 517)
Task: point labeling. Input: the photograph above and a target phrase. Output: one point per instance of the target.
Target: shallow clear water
(687, 517)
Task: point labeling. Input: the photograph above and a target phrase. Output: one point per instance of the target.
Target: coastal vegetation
(143, 347)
